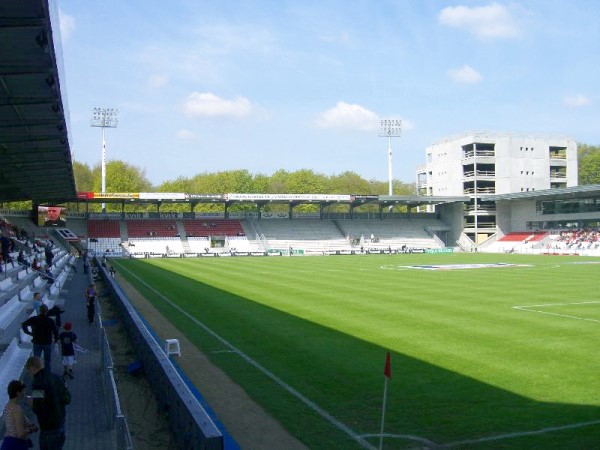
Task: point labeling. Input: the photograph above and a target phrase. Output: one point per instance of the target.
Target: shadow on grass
(343, 377)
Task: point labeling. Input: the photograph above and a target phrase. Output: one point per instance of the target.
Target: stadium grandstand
(36, 165)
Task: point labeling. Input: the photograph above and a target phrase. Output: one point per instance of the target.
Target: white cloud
(466, 74)
(347, 116)
(184, 135)
(576, 101)
(206, 104)
(67, 24)
(157, 80)
(491, 21)
(354, 117)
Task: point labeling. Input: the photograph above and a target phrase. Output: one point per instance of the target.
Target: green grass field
(469, 370)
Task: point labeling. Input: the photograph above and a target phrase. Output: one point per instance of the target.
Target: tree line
(125, 177)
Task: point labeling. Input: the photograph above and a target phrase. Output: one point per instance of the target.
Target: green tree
(121, 177)
(589, 164)
(84, 177)
(278, 182)
(305, 181)
(348, 183)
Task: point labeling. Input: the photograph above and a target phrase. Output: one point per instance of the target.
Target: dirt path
(246, 421)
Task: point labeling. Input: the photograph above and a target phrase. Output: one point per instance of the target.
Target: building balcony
(558, 175)
(487, 227)
(481, 190)
(479, 174)
(486, 210)
(477, 153)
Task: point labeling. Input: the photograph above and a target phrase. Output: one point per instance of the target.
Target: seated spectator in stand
(48, 254)
(37, 303)
(22, 260)
(53, 218)
(6, 244)
(48, 276)
(35, 265)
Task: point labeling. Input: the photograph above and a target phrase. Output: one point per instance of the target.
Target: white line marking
(566, 316)
(361, 438)
(262, 369)
(521, 433)
(404, 436)
(556, 304)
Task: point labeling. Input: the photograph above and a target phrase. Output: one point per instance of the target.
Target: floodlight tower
(390, 128)
(104, 118)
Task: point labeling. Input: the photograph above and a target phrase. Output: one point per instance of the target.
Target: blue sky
(204, 86)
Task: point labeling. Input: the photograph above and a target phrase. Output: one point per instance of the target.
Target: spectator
(17, 425)
(67, 339)
(48, 276)
(49, 397)
(37, 303)
(43, 330)
(90, 295)
(22, 260)
(6, 245)
(48, 255)
(56, 312)
(35, 264)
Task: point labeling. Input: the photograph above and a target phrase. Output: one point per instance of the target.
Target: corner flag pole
(387, 372)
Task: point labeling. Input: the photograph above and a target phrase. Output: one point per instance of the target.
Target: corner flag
(387, 371)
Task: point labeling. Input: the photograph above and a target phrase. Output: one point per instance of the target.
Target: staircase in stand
(183, 236)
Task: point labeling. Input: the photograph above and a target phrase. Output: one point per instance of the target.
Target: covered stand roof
(35, 156)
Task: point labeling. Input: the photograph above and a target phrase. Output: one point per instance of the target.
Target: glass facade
(568, 206)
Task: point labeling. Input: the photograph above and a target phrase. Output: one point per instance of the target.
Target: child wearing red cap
(67, 338)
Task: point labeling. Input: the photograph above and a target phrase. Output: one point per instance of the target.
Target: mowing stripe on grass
(528, 308)
(520, 434)
(262, 369)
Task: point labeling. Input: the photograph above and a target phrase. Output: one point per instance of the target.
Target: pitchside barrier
(116, 419)
(191, 426)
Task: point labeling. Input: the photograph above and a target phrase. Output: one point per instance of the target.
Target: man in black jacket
(49, 396)
(43, 330)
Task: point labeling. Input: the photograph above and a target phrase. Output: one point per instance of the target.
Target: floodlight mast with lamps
(390, 128)
(104, 118)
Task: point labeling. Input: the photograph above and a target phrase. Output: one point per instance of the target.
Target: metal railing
(116, 419)
(190, 424)
(472, 153)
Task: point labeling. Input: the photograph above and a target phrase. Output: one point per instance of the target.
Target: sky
(207, 86)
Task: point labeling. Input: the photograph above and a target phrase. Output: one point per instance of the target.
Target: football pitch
(488, 351)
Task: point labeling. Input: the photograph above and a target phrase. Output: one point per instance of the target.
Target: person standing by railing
(90, 296)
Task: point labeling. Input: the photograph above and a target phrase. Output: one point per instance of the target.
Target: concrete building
(479, 164)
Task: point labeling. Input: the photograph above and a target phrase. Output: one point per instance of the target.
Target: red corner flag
(388, 366)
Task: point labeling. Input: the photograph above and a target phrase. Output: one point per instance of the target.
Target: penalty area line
(566, 316)
(332, 420)
(520, 434)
